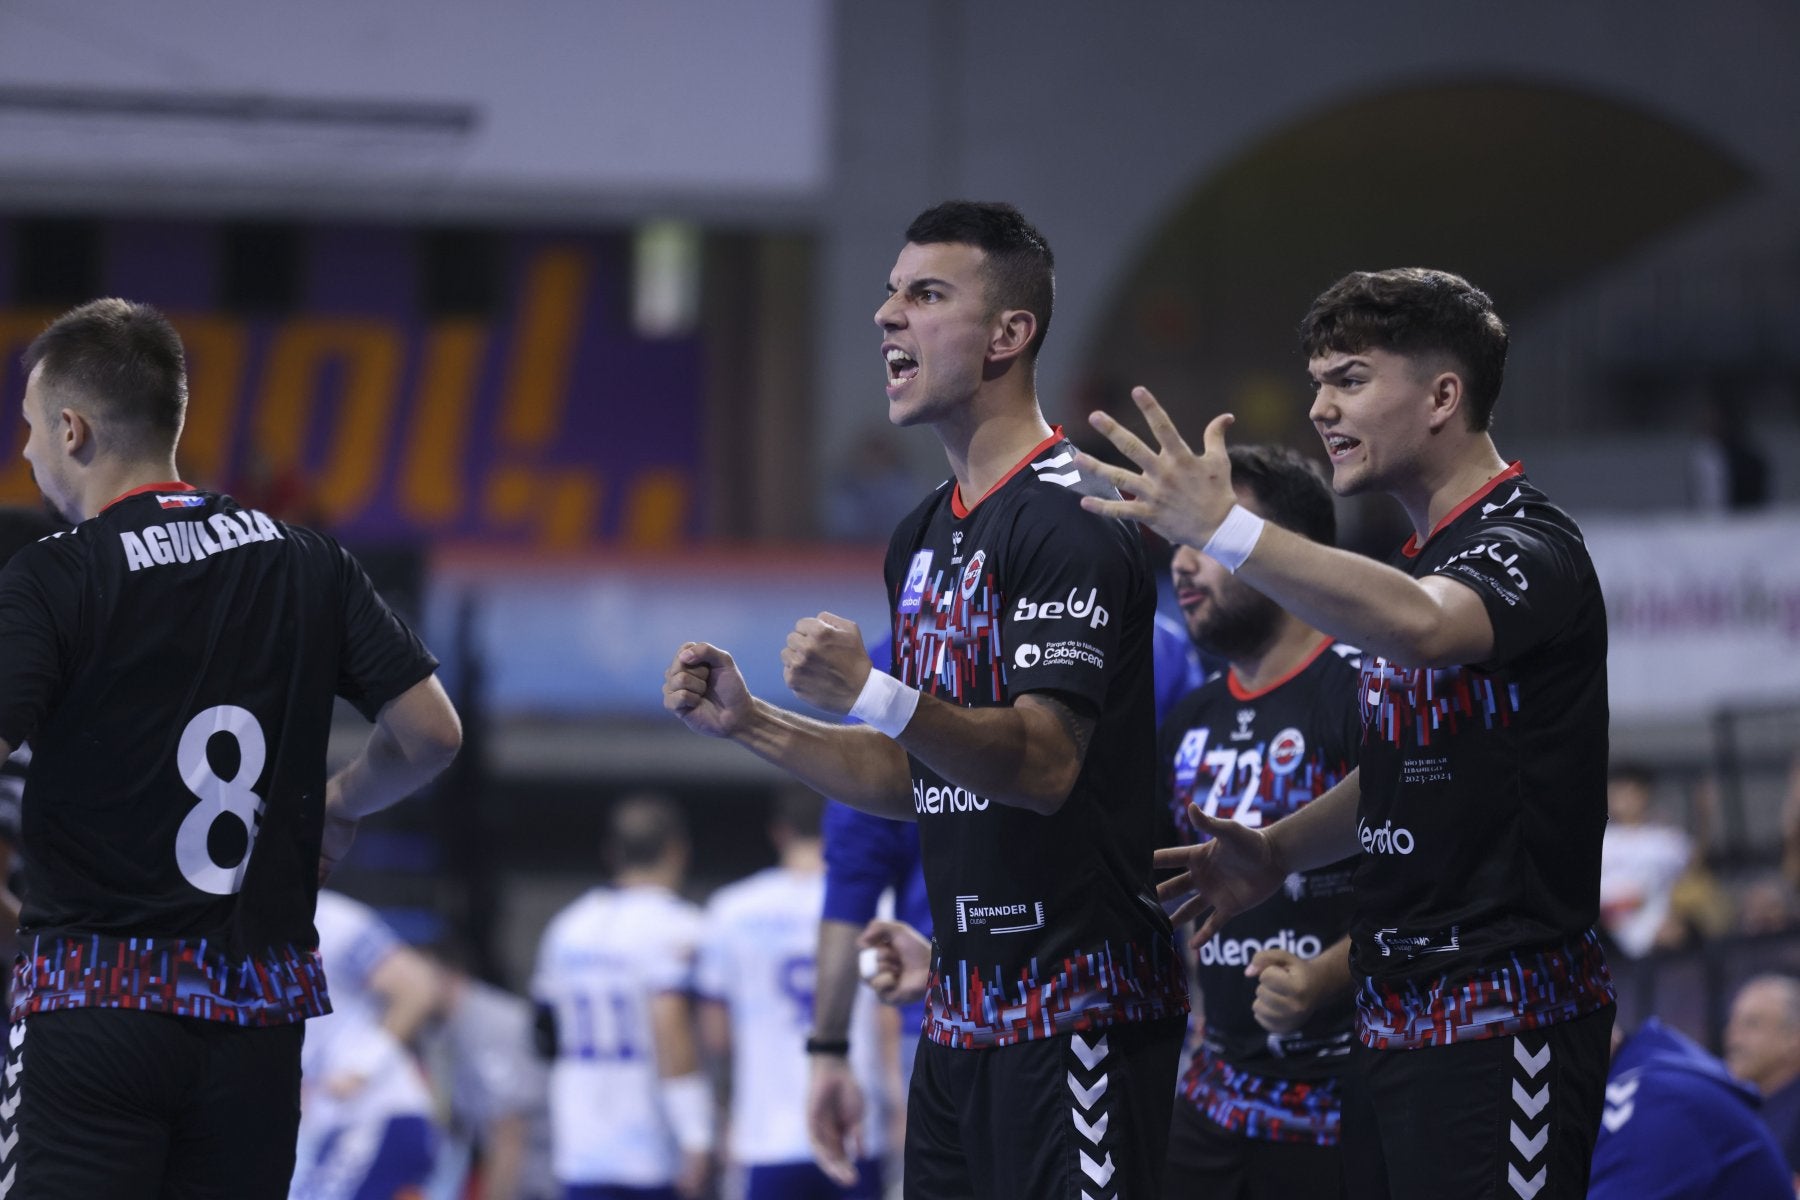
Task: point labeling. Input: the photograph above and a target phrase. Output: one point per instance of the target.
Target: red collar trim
(957, 507)
(1413, 545)
(1239, 692)
(174, 485)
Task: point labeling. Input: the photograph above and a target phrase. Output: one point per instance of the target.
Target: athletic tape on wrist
(1234, 539)
(885, 703)
(687, 1102)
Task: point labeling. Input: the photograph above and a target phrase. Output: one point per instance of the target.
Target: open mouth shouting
(901, 366)
(1339, 445)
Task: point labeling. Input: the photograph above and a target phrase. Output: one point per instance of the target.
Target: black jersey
(1254, 758)
(172, 662)
(1044, 924)
(1484, 791)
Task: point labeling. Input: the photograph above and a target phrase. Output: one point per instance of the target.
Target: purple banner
(551, 424)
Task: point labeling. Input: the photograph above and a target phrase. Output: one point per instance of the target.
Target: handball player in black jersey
(172, 662)
(1260, 1106)
(1484, 1003)
(1017, 728)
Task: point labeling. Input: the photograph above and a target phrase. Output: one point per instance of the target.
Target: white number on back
(219, 797)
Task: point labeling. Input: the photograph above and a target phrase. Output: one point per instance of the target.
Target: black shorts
(1056, 1119)
(115, 1104)
(1510, 1117)
(1208, 1161)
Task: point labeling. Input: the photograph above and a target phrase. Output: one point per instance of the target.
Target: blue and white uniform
(602, 961)
(366, 1127)
(759, 958)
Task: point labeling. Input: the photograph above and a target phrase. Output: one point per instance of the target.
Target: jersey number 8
(219, 797)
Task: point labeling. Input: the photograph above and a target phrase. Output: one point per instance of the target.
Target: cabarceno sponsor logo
(1237, 952)
(1386, 840)
(935, 800)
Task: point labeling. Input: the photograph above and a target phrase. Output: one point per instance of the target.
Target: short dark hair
(642, 829)
(1021, 271)
(1632, 771)
(1415, 312)
(1288, 488)
(800, 809)
(124, 358)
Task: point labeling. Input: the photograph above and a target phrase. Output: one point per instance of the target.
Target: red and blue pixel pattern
(1296, 1111)
(1086, 991)
(183, 978)
(1396, 701)
(951, 647)
(1529, 991)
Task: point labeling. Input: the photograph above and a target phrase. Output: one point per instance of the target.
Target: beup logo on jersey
(1491, 551)
(1027, 656)
(972, 573)
(946, 799)
(971, 913)
(1243, 732)
(1386, 840)
(912, 596)
(1077, 606)
(1287, 751)
(1237, 952)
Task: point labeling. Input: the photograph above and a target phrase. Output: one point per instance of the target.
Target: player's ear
(1011, 336)
(1447, 395)
(75, 432)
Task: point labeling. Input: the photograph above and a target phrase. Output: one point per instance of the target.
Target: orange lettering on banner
(17, 328)
(544, 340)
(570, 509)
(215, 361)
(561, 507)
(655, 508)
(511, 492)
(370, 354)
(432, 471)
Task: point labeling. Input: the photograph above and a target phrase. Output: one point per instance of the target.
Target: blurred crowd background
(560, 318)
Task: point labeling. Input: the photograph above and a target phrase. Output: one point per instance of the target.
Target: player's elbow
(443, 740)
(1430, 639)
(1046, 790)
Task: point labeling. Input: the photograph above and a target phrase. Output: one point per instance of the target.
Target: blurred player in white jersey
(366, 1125)
(758, 967)
(494, 1091)
(630, 1111)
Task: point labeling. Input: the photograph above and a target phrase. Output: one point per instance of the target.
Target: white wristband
(885, 703)
(687, 1103)
(1234, 539)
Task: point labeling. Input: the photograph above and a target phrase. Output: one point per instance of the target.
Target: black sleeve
(38, 606)
(1069, 577)
(380, 657)
(1167, 739)
(1529, 576)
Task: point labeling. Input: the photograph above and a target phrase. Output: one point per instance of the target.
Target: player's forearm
(411, 990)
(415, 737)
(503, 1150)
(850, 763)
(834, 989)
(1360, 601)
(1021, 755)
(1322, 832)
